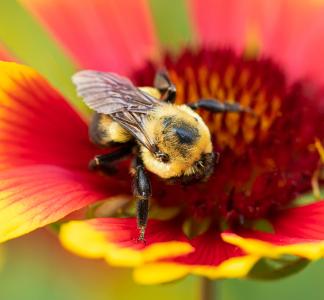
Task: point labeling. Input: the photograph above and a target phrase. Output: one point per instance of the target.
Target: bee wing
(116, 96)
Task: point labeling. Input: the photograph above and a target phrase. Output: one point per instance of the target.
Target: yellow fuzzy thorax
(182, 157)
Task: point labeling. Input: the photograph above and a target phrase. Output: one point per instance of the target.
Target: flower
(219, 229)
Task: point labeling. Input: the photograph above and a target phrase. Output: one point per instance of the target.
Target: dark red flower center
(265, 160)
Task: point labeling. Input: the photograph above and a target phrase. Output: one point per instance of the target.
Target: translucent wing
(116, 96)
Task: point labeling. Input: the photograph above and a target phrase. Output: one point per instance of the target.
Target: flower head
(267, 159)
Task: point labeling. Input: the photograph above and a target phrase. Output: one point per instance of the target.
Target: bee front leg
(215, 106)
(163, 83)
(142, 192)
(105, 162)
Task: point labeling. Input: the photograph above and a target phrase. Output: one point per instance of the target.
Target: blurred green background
(36, 267)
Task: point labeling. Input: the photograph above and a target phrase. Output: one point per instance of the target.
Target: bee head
(182, 142)
(202, 169)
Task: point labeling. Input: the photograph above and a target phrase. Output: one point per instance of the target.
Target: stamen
(320, 149)
(233, 84)
(315, 185)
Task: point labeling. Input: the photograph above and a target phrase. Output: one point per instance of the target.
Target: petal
(166, 256)
(160, 272)
(100, 34)
(37, 125)
(116, 240)
(43, 156)
(34, 196)
(212, 258)
(220, 22)
(291, 31)
(304, 222)
(4, 54)
(287, 30)
(298, 231)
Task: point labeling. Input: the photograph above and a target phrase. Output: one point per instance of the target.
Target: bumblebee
(169, 140)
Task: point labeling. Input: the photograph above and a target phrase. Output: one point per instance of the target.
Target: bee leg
(215, 106)
(163, 83)
(104, 162)
(142, 192)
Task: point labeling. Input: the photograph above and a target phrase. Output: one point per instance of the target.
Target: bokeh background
(37, 267)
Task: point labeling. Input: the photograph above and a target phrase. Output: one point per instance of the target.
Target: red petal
(210, 250)
(37, 125)
(32, 197)
(220, 22)
(287, 30)
(44, 155)
(305, 222)
(298, 231)
(291, 31)
(100, 34)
